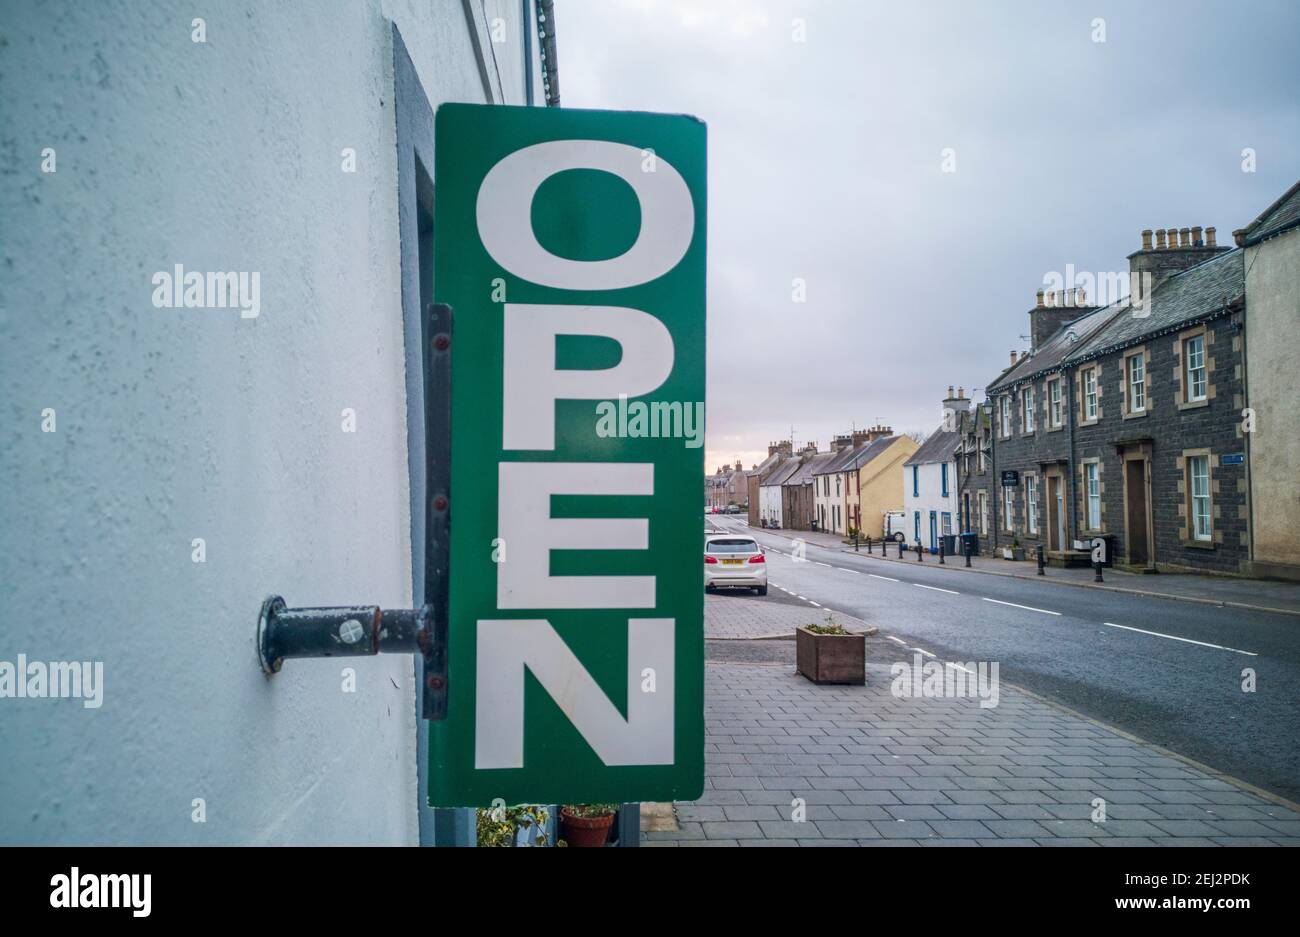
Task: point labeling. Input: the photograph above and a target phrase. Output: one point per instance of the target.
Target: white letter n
(507, 647)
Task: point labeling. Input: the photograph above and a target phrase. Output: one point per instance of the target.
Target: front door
(933, 524)
(1056, 505)
(1138, 532)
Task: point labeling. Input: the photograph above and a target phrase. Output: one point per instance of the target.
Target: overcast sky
(826, 163)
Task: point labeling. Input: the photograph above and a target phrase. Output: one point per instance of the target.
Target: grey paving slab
(865, 768)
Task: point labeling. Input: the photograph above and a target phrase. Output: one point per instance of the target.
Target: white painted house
(203, 458)
(769, 493)
(930, 483)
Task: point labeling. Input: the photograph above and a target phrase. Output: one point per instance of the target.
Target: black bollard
(966, 550)
(941, 562)
(1097, 567)
(919, 557)
(900, 549)
(868, 546)
(855, 540)
(1042, 564)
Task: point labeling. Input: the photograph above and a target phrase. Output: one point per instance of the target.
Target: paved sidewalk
(872, 769)
(743, 617)
(1228, 591)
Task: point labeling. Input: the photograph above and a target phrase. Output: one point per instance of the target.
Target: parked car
(895, 525)
(734, 562)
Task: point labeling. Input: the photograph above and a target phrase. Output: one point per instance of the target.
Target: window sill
(1193, 404)
(1054, 429)
(1093, 422)
(1200, 545)
(1135, 415)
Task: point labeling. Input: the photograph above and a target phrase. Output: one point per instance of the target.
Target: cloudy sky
(826, 163)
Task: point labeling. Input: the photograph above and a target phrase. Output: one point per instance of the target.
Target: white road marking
(811, 602)
(889, 578)
(959, 667)
(936, 589)
(1174, 637)
(804, 597)
(1028, 608)
(896, 640)
(920, 650)
(820, 563)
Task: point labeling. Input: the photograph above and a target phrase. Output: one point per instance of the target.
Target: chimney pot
(961, 393)
(1069, 301)
(1083, 296)
(1185, 237)
(949, 391)
(1196, 236)
(1209, 237)
(1146, 239)
(1013, 356)
(1160, 239)
(1038, 299)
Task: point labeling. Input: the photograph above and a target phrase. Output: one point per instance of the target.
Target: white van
(895, 526)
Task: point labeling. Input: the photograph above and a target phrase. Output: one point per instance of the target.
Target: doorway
(1137, 514)
(1056, 511)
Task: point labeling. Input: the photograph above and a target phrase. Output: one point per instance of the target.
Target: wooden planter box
(831, 658)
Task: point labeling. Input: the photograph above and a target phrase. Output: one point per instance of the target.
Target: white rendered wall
(176, 424)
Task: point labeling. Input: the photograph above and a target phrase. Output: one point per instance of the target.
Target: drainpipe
(1072, 514)
(996, 480)
(1250, 488)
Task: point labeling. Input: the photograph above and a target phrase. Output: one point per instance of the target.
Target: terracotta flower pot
(585, 831)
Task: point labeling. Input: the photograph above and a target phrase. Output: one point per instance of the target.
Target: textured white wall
(182, 423)
(1272, 349)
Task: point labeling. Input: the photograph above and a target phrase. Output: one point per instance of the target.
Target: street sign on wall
(570, 245)
(1010, 478)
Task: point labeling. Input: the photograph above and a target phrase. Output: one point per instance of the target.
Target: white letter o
(505, 225)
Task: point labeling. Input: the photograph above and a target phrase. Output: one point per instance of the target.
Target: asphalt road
(1142, 664)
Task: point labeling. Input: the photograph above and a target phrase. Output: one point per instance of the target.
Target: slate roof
(1206, 288)
(1278, 217)
(939, 447)
(831, 466)
(766, 467)
(867, 452)
(781, 473)
(1057, 348)
(810, 468)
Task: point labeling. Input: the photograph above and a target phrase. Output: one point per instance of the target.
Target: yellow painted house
(873, 480)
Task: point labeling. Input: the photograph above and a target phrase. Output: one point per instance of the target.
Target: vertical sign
(570, 245)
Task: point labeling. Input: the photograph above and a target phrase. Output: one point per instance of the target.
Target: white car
(733, 561)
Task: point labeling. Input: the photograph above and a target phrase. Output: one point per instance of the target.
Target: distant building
(930, 479)
(777, 452)
(1133, 421)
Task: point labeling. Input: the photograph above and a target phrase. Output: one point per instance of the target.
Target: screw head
(440, 503)
(435, 682)
(442, 341)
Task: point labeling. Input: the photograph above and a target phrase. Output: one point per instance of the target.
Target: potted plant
(1015, 551)
(587, 824)
(830, 653)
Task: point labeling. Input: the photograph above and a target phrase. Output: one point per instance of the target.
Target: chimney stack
(1176, 250)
